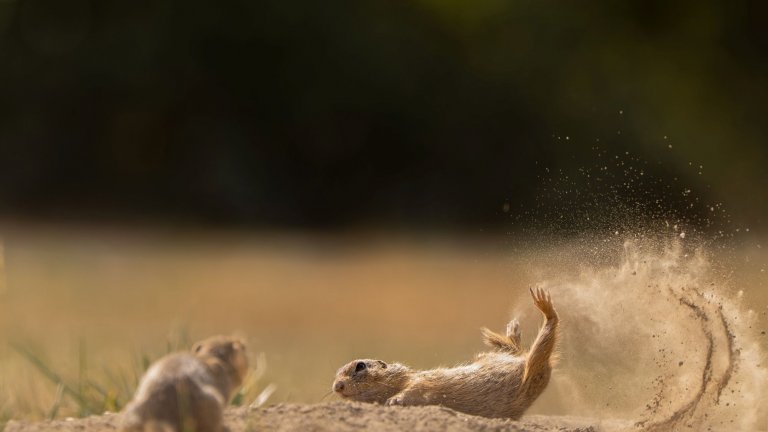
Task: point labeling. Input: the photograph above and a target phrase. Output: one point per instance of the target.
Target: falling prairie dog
(188, 391)
(501, 383)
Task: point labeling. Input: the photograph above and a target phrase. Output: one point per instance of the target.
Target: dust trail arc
(716, 334)
(655, 334)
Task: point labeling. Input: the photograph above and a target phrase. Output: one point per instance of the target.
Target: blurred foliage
(425, 112)
(116, 386)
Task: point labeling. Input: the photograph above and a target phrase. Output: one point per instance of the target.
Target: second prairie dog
(501, 383)
(188, 391)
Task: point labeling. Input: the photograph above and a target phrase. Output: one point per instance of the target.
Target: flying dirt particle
(682, 235)
(680, 363)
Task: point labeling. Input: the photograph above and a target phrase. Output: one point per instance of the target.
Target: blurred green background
(287, 113)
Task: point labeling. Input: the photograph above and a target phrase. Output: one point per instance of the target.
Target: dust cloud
(655, 333)
(656, 329)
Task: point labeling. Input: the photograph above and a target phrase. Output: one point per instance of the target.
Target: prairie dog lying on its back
(501, 383)
(188, 391)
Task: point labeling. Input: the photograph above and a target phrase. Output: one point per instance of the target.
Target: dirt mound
(343, 416)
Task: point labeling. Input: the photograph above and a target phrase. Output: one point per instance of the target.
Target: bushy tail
(500, 342)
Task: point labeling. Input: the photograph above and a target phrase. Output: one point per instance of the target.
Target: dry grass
(84, 312)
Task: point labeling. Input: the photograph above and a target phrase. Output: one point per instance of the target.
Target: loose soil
(346, 416)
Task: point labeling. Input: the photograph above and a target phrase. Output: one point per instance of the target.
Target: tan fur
(187, 392)
(501, 383)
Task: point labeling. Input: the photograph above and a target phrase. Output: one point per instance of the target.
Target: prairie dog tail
(509, 343)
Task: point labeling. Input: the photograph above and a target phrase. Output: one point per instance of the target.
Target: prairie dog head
(368, 380)
(226, 352)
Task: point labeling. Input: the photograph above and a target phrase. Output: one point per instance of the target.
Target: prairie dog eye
(360, 366)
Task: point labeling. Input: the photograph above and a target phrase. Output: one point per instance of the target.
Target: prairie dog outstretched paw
(543, 301)
(513, 331)
(396, 400)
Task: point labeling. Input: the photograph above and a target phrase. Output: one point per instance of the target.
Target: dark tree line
(327, 114)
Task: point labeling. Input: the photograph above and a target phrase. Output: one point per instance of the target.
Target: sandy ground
(344, 416)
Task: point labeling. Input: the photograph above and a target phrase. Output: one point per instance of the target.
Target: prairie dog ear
(383, 365)
(197, 347)
(239, 344)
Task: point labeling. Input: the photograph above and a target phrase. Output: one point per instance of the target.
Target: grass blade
(264, 396)
(56, 402)
(52, 376)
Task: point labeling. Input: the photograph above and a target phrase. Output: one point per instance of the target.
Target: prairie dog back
(188, 391)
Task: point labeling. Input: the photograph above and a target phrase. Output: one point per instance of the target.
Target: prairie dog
(184, 392)
(500, 383)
